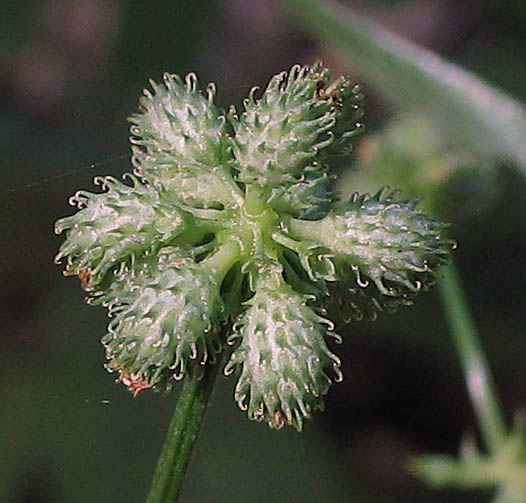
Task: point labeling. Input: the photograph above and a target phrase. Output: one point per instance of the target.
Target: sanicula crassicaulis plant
(230, 222)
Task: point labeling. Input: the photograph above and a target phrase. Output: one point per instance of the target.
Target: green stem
(181, 436)
(476, 370)
(255, 200)
(223, 259)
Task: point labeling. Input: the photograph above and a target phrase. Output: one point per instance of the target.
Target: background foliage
(70, 75)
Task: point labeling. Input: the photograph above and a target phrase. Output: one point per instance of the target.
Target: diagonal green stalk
(476, 370)
(182, 434)
(414, 77)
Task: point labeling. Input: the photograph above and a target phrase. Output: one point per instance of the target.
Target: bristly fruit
(230, 225)
(285, 362)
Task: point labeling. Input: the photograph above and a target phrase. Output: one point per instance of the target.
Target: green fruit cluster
(230, 232)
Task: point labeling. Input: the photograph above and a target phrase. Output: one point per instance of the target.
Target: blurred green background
(70, 74)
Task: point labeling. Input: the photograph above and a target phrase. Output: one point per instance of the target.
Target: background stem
(476, 370)
(181, 436)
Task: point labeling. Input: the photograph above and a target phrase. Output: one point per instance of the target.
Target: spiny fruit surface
(230, 232)
(165, 313)
(115, 224)
(285, 362)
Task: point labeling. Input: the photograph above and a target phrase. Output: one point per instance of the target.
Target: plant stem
(416, 78)
(476, 370)
(223, 259)
(181, 436)
(255, 203)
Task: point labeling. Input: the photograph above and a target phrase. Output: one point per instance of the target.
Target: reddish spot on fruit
(134, 385)
(84, 277)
